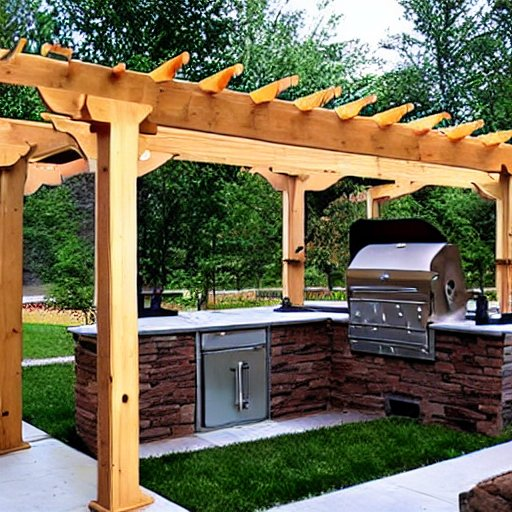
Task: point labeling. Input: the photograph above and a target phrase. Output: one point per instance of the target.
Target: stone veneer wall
(167, 387)
(300, 369)
(313, 369)
(495, 493)
(492, 495)
(467, 386)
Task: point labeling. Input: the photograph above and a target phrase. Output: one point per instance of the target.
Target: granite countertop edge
(264, 317)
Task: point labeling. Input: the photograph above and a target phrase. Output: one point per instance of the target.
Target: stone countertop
(225, 319)
(260, 317)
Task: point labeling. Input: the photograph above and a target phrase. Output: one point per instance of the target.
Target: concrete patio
(53, 476)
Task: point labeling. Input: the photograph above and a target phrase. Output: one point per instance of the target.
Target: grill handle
(241, 400)
(380, 289)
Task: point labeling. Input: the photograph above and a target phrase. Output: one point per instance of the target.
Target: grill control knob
(384, 277)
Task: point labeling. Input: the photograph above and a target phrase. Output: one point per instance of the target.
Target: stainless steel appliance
(396, 289)
(233, 379)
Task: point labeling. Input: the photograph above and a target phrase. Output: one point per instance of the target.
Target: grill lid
(399, 256)
(377, 231)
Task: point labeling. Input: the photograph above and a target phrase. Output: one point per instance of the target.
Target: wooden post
(504, 245)
(372, 206)
(12, 181)
(294, 188)
(118, 349)
(294, 251)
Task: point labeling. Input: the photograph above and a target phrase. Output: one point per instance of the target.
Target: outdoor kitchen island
(208, 369)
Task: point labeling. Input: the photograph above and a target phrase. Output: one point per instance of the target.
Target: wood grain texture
(11, 279)
(375, 196)
(504, 245)
(81, 77)
(118, 370)
(183, 105)
(206, 147)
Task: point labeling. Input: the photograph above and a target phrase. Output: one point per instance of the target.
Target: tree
(195, 222)
(53, 249)
(22, 18)
(464, 218)
(328, 243)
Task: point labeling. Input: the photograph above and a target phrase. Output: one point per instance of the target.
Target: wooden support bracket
(393, 115)
(352, 109)
(219, 81)
(69, 103)
(317, 99)
(375, 196)
(80, 131)
(271, 91)
(52, 174)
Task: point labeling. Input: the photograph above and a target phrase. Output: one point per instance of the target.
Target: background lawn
(49, 402)
(46, 340)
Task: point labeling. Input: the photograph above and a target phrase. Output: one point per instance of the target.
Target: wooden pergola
(123, 124)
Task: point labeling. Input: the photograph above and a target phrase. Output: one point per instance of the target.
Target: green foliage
(53, 249)
(328, 249)
(297, 466)
(45, 340)
(50, 219)
(207, 226)
(22, 18)
(72, 284)
(464, 218)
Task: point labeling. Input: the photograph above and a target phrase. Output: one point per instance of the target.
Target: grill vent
(400, 406)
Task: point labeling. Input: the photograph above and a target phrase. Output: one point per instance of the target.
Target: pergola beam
(76, 76)
(184, 105)
(222, 149)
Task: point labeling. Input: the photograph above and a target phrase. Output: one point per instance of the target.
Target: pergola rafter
(127, 123)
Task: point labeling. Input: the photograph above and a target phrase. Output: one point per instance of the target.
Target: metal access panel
(234, 379)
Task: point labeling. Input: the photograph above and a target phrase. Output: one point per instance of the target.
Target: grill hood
(397, 288)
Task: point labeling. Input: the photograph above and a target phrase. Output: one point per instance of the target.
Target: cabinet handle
(239, 385)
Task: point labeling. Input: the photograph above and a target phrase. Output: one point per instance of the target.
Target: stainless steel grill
(395, 290)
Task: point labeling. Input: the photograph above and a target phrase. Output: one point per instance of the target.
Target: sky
(368, 20)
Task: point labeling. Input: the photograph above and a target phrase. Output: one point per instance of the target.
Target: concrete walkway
(52, 476)
(47, 361)
(251, 432)
(434, 488)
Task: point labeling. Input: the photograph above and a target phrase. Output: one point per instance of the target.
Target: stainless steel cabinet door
(235, 386)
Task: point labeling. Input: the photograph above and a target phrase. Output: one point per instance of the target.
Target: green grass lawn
(48, 399)
(249, 476)
(45, 340)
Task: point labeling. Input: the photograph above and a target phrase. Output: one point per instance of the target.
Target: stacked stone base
(312, 368)
(494, 494)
